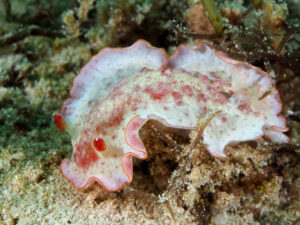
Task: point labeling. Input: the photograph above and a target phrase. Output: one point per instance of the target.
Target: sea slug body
(120, 89)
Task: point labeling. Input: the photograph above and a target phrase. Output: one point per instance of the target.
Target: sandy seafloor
(43, 45)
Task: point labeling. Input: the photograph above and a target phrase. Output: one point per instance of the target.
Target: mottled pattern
(237, 100)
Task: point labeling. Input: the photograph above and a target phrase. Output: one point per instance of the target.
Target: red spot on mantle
(201, 97)
(219, 98)
(59, 121)
(135, 103)
(121, 83)
(166, 71)
(116, 116)
(187, 90)
(115, 119)
(205, 79)
(217, 84)
(203, 109)
(84, 155)
(177, 97)
(245, 107)
(159, 92)
(186, 72)
(223, 118)
(99, 144)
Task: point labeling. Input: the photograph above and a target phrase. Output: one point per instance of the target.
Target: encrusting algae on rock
(119, 90)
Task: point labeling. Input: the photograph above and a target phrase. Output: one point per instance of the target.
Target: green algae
(43, 46)
(214, 15)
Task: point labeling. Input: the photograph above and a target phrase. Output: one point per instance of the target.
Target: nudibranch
(119, 90)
